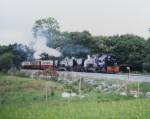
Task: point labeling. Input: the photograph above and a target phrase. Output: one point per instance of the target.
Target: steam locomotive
(105, 63)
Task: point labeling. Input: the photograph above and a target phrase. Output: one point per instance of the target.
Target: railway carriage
(37, 64)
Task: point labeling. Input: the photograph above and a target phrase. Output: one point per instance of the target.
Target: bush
(6, 61)
(20, 74)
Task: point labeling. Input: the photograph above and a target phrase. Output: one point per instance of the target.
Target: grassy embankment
(26, 98)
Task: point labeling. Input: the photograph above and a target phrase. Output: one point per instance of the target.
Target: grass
(23, 89)
(132, 109)
(25, 98)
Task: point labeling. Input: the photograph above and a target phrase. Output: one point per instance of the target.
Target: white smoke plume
(40, 46)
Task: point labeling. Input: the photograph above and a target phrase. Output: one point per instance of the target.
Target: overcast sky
(100, 17)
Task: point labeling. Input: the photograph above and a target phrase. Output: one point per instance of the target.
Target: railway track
(131, 77)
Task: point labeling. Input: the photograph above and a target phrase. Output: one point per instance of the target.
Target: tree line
(131, 50)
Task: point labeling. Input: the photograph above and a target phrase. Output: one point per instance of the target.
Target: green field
(26, 98)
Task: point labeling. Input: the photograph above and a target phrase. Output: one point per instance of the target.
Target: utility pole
(138, 88)
(46, 91)
(128, 69)
(80, 86)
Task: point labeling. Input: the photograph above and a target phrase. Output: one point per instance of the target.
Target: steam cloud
(40, 46)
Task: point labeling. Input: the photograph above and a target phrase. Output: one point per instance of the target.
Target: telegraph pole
(128, 69)
(80, 80)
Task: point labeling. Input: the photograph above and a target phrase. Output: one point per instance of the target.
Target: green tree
(13, 55)
(146, 63)
(130, 50)
(78, 44)
(6, 61)
(100, 44)
(48, 28)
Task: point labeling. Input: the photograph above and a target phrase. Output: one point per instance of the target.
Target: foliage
(147, 56)
(18, 88)
(130, 50)
(6, 61)
(100, 45)
(48, 28)
(19, 74)
(75, 43)
(11, 56)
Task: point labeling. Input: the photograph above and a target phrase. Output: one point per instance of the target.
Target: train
(105, 63)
